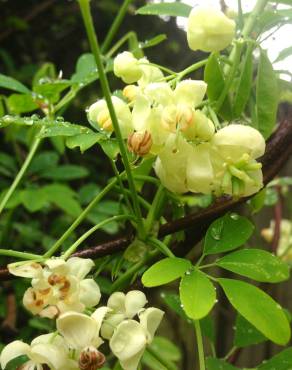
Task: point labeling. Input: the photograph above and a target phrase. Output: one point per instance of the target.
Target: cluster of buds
(124, 322)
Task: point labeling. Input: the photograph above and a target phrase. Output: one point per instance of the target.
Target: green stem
(231, 74)
(119, 43)
(151, 217)
(192, 68)
(20, 174)
(87, 18)
(200, 344)
(162, 248)
(115, 26)
(155, 353)
(133, 270)
(118, 176)
(79, 219)
(22, 255)
(74, 246)
(252, 19)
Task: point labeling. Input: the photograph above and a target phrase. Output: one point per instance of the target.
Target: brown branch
(278, 212)
(8, 326)
(278, 151)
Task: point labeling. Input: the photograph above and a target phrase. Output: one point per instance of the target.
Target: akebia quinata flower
(209, 29)
(126, 66)
(58, 286)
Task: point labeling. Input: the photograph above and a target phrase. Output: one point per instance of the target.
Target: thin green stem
(200, 344)
(75, 245)
(20, 174)
(252, 19)
(118, 176)
(87, 18)
(115, 26)
(79, 219)
(151, 179)
(119, 43)
(229, 353)
(160, 246)
(151, 217)
(165, 69)
(22, 255)
(133, 270)
(231, 74)
(163, 360)
(146, 205)
(192, 68)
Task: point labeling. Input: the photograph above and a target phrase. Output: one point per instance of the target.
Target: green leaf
(214, 78)
(46, 71)
(197, 294)
(110, 148)
(21, 103)
(65, 172)
(83, 141)
(216, 364)
(64, 129)
(12, 84)
(166, 348)
(174, 9)
(173, 301)
(283, 54)
(246, 334)
(227, 233)
(244, 85)
(256, 264)
(33, 199)
(257, 202)
(282, 361)
(266, 96)
(86, 70)
(258, 308)
(51, 89)
(44, 160)
(151, 362)
(165, 271)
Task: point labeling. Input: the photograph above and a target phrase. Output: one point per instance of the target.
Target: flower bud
(209, 29)
(130, 92)
(91, 359)
(140, 143)
(126, 66)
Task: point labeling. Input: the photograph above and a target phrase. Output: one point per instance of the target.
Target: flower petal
(26, 270)
(128, 340)
(190, 92)
(57, 265)
(117, 302)
(110, 323)
(49, 354)
(79, 267)
(13, 350)
(89, 293)
(134, 302)
(150, 320)
(133, 362)
(79, 330)
(99, 315)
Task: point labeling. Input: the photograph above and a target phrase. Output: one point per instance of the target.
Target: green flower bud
(209, 29)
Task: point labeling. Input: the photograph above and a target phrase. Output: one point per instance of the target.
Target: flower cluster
(75, 345)
(163, 119)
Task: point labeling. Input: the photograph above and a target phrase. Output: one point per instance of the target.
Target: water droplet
(234, 216)
(216, 230)
(60, 119)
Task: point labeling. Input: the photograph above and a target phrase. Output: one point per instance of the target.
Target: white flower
(209, 29)
(130, 338)
(99, 116)
(122, 306)
(59, 286)
(81, 334)
(149, 73)
(48, 349)
(127, 67)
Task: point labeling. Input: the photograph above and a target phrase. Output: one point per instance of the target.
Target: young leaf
(12, 84)
(165, 271)
(255, 264)
(197, 294)
(246, 334)
(227, 233)
(284, 53)
(215, 364)
(174, 9)
(64, 129)
(21, 103)
(258, 308)
(214, 78)
(244, 85)
(86, 70)
(282, 361)
(266, 96)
